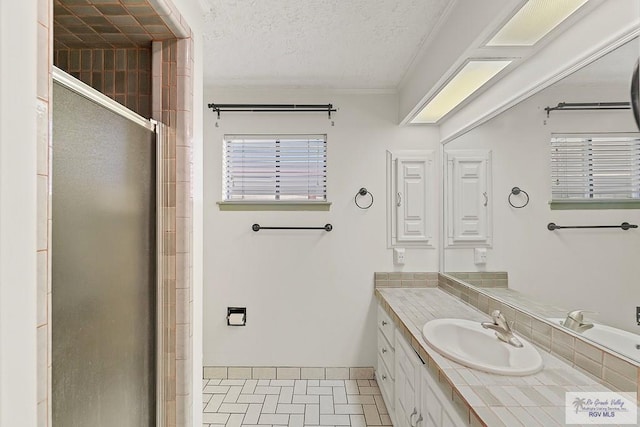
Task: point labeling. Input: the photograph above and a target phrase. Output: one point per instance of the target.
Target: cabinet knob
(384, 377)
(384, 350)
(384, 323)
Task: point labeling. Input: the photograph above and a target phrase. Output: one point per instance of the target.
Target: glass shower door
(103, 266)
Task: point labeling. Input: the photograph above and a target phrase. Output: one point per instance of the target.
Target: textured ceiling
(340, 44)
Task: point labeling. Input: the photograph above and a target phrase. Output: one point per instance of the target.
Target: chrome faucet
(502, 329)
(575, 321)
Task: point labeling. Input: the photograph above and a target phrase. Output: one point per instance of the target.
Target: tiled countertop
(492, 400)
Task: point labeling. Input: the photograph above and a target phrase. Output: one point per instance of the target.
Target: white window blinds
(275, 168)
(597, 167)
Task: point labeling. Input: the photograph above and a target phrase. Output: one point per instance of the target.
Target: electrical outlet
(480, 256)
(398, 256)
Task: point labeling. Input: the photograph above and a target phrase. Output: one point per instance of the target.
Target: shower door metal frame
(161, 369)
(99, 98)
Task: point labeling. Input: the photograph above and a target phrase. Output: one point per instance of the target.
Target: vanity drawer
(386, 325)
(386, 352)
(386, 383)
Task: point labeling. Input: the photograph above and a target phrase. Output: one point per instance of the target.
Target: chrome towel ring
(516, 191)
(363, 192)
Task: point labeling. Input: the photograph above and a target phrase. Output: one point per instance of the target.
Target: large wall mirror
(552, 273)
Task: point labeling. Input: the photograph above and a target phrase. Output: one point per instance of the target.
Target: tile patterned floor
(294, 403)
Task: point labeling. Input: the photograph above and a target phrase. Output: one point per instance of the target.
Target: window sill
(274, 206)
(587, 204)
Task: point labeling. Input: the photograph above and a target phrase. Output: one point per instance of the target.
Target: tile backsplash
(406, 280)
(483, 279)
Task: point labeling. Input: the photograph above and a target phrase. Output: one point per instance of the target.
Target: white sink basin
(469, 344)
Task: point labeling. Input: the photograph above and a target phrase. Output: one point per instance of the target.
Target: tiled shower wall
(172, 96)
(121, 74)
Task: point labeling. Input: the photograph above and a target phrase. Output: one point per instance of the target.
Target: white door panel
(468, 198)
(412, 204)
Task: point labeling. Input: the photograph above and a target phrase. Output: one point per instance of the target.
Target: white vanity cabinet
(385, 372)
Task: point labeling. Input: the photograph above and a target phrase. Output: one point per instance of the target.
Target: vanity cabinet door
(407, 370)
(436, 409)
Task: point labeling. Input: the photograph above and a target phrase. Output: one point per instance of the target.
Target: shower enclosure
(104, 262)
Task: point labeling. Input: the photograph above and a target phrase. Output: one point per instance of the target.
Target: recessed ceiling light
(533, 21)
(470, 78)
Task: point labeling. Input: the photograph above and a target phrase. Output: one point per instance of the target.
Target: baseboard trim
(286, 373)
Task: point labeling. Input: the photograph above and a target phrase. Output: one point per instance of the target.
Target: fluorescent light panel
(533, 21)
(469, 79)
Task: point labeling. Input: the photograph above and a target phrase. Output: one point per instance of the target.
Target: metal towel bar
(258, 227)
(625, 226)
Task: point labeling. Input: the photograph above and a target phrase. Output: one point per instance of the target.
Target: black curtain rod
(258, 227)
(580, 106)
(625, 226)
(273, 108)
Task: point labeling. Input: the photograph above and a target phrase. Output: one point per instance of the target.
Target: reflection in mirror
(585, 279)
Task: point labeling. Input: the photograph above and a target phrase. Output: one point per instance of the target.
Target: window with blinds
(273, 168)
(595, 168)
